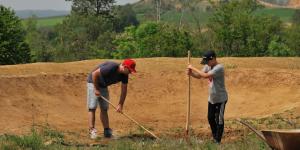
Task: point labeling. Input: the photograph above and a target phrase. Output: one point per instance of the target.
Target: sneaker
(218, 142)
(107, 132)
(93, 133)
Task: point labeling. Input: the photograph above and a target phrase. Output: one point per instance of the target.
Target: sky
(46, 4)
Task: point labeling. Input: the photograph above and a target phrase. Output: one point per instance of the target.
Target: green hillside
(285, 14)
(51, 21)
(146, 11)
(48, 22)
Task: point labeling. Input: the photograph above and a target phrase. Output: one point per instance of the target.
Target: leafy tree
(90, 29)
(152, 40)
(279, 48)
(39, 41)
(174, 42)
(82, 37)
(124, 17)
(292, 37)
(92, 7)
(202, 41)
(13, 48)
(238, 32)
(296, 17)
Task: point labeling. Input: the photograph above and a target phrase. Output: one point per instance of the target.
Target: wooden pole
(187, 127)
(130, 118)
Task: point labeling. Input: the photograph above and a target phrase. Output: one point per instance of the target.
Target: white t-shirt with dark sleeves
(217, 90)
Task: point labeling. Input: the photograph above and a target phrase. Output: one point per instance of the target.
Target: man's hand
(97, 92)
(189, 70)
(190, 67)
(119, 108)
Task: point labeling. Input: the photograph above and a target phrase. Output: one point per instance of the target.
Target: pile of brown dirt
(293, 4)
(56, 93)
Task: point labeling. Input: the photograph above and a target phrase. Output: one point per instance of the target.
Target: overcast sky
(46, 4)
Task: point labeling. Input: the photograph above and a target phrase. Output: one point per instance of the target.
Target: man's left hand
(120, 108)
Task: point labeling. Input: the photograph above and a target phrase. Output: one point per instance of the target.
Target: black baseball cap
(208, 55)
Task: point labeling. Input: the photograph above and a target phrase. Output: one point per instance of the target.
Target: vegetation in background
(284, 14)
(152, 40)
(49, 21)
(99, 29)
(13, 48)
(39, 40)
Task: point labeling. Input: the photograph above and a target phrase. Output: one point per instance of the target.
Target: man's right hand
(97, 92)
(189, 71)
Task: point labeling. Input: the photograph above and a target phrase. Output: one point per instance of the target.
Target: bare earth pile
(55, 93)
(294, 4)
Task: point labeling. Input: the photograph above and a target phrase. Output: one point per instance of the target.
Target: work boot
(107, 132)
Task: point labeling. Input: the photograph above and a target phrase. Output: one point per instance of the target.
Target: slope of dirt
(55, 93)
(293, 4)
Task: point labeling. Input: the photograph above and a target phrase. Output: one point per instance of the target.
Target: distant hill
(171, 10)
(41, 13)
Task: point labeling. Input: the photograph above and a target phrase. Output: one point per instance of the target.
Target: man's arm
(122, 97)
(95, 76)
(198, 73)
(195, 75)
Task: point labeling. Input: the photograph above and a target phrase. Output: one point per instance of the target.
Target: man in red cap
(99, 79)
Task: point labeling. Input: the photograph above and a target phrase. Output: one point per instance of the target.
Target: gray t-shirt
(217, 90)
(109, 74)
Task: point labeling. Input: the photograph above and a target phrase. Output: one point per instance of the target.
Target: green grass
(36, 142)
(284, 14)
(47, 22)
(249, 142)
(33, 141)
(51, 21)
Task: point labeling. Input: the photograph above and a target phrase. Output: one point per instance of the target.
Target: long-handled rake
(130, 118)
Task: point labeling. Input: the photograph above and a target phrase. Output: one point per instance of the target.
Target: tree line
(99, 29)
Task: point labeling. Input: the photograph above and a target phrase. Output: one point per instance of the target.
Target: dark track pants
(216, 119)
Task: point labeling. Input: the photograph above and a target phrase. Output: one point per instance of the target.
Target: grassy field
(284, 14)
(48, 22)
(51, 21)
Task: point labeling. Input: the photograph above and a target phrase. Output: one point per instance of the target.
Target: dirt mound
(294, 4)
(56, 93)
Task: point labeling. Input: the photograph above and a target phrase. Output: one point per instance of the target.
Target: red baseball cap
(129, 64)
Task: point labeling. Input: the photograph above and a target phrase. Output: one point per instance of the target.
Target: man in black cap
(217, 98)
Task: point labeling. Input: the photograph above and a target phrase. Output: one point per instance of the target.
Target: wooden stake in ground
(187, 127)
(130, 118)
